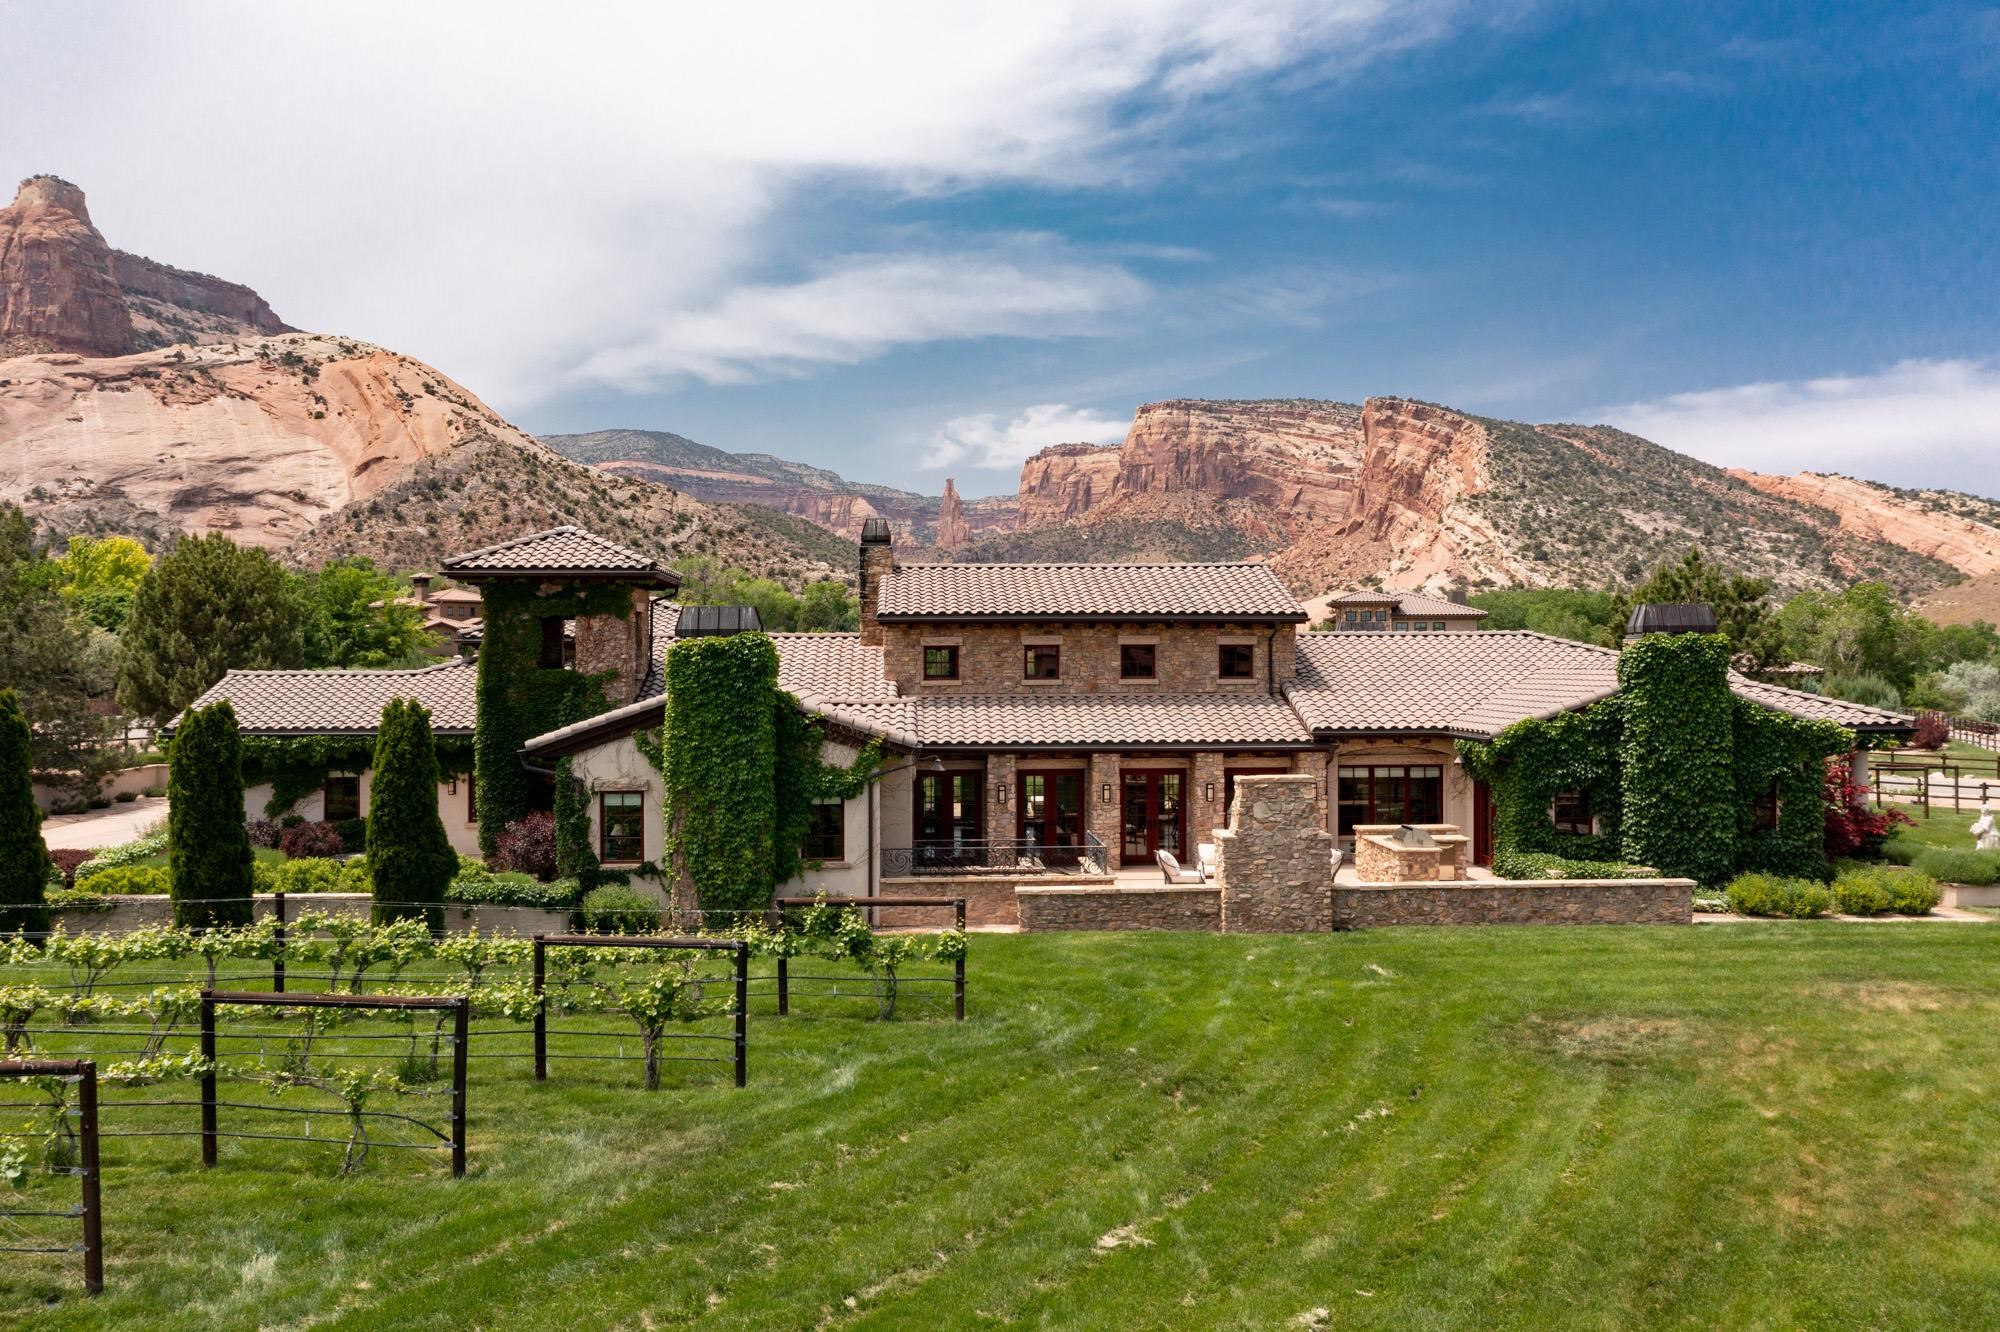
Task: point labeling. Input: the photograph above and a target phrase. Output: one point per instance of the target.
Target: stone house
(1041, 720)
(1398, 612)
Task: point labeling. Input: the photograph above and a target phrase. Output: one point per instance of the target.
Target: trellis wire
(740, 1012)
(83, 1072)
(779, 905)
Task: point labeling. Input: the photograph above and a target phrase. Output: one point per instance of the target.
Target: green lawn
(1768, 1125)
(1942, 827)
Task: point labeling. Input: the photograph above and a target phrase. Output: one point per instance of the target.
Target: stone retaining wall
(990, 899)
(1167, 907)
(1511, 902)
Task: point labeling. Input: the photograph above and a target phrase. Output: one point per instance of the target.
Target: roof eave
(1072, 617)
(665, 578)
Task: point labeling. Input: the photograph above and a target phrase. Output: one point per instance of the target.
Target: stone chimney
(878, 560)
(420, 587)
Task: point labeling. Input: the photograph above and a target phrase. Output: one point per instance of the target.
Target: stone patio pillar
(1274, 861)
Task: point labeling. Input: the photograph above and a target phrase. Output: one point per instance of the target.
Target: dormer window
(1042, 661)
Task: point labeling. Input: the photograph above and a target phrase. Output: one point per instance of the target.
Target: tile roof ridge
(342, 672)
(1085, 564)
(566, 529)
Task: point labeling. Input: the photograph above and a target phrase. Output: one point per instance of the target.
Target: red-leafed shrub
(528, 846)
(305, 840)
(1853, 829)
(1933, 731)
(265, 832)
(67, 859)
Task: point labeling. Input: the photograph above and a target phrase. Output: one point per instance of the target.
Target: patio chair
(1339, 857)
(1171, 867)
(1204, 859)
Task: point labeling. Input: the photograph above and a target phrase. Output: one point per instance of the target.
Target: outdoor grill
(1416, 838)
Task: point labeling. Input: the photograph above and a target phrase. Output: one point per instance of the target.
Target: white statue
(1986, 832)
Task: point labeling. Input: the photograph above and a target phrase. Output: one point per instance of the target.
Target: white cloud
(862, 306)
(1915, 423)
(988, 440)
(513, 191)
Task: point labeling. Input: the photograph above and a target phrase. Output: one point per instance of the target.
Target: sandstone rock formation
(259, 438)
(952, 530)
(63, 288)
(1877, 513)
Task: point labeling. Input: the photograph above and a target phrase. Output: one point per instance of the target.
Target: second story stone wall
(992, 657)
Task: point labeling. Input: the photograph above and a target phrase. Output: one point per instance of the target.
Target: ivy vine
(297, 765)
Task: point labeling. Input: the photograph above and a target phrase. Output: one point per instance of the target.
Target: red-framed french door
(949, 812)
(1482, 824)
(1049, 812)
(1154, 808)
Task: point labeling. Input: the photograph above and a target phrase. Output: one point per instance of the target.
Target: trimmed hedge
(1775, 895)
(1959, 865)
(144, 880)
(314, 874)
(615, 910)
(1874, 890)
(208, 843)
(1542, 865)
(476, 885)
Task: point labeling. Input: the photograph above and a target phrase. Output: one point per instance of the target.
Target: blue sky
(919, 240)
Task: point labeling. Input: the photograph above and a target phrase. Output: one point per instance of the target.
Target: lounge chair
(1171, 867)
(1204, 858)
(1338, 858)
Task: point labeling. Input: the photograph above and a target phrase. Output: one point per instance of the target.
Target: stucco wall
(1458, 785)
(463, 832)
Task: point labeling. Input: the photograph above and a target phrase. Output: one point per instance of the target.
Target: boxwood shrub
(147, 880)
(476, 885)
(613, 909)
(1775, 895)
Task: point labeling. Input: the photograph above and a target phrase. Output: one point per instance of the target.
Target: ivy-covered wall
(1673, 765)
(518, 698)
(296, 766)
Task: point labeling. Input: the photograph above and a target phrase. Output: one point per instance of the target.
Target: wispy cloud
(1535, 108)
(991, 440)
(1914, 423)
(862, 306)
(1350, 208)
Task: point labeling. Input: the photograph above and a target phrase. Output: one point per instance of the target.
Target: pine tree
(24, 861)
(208, 607)
(208, 842)
(409, 856)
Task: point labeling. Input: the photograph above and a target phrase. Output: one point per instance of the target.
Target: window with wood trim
(1236, 661)
(941, 661)
(1766, 810)
(621, 827)
(1570, 813)
(554, 655)
(1389, 794)
(826, 831)
(341, 797)
(1042, 661)
(1138, 661)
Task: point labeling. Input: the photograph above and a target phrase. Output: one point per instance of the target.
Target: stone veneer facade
(1166, 907)
(1274, 861)
(619, 647)
(1505, 902)
(991, 657)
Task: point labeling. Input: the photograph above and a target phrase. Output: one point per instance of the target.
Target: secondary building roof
(1123, 592)
(281, 703)
(560, 552)
(1413, 604)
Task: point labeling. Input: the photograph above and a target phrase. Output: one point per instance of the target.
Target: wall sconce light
(1003, 796)
(1105, 795)
(1208, 791)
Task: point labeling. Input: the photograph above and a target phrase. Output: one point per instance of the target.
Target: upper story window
(1137, 661)
(1570, 812)
(1236, 661)
(1766, 809)
(557, 649)
(621, 826)
(1354, 617)
(941, 663)
(1042, 661)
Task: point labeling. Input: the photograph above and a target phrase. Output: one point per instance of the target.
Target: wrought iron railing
(996, 855)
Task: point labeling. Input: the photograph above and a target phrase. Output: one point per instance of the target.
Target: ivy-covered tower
(567, 632)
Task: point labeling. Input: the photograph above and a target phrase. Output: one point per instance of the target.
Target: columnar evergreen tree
(208, 842)
(409, 856)
(208, 607)
(24, 860)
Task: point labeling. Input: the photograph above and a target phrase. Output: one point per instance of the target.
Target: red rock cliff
(1880, 514)
(952, 529)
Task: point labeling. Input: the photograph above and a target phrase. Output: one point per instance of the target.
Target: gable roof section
(1408, 603)
(1818, 707)
(282, 703)
(568, 552)
(961, 592)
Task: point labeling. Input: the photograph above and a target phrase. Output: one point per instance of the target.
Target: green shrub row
(1775, 895)
(617, 910)
(475, 885)
(1958, 865)
(1875, 890)
(286, 876)
(127, 853)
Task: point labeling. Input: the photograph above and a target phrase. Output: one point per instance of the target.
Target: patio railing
(996, 855)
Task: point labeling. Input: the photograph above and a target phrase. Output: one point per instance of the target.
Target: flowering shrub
(265, 832)
(67, 859)
(306, 840)
(1853, 829)
(117, 857)
(528, 846)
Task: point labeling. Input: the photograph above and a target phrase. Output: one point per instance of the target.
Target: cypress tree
(409, 856)
(208, 842)
(24, 861)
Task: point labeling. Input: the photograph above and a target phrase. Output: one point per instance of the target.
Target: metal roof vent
(875, 532)
(1689, 617)
(717, 621)
(1412, 836)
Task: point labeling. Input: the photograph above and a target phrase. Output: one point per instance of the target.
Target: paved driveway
(104, 827)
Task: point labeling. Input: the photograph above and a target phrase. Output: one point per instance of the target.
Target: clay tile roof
(832, 666)
(1086, 591)
(1408, 603)
(1473, 684)
(560, 550)
(1090, 720)
(345, 702)
(1818, 707)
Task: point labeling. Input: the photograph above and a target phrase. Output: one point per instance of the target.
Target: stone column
(1273, 862)
(1000, 794)
(1206, 815)
(1103, 817)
